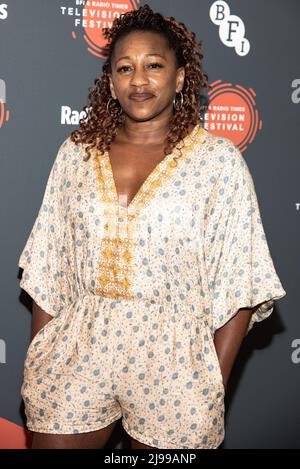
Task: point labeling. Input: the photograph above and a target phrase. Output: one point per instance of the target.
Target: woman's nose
(139, 76)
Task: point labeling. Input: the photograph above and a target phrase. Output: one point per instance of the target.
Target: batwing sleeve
(240, 269)
(44, 275)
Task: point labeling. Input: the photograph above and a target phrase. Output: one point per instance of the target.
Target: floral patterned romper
(137, 293)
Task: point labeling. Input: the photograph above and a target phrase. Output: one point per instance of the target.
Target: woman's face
(144, 75)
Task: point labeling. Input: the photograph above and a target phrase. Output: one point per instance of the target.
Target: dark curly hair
(99, 127)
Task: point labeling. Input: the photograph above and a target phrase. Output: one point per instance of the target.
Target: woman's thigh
(91, 440)
(135, 444)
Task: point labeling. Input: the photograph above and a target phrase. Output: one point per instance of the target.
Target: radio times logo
(232, 113)
(89, 17)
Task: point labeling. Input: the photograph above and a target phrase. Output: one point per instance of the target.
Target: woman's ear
(180, 76)
(111, 86)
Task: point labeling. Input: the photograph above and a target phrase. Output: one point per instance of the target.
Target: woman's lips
(141, 96)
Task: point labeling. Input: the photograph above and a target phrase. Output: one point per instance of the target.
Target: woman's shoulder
(218, 150)
(68, 148)
(69, 153)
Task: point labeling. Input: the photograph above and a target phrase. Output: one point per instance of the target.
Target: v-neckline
(152, 179)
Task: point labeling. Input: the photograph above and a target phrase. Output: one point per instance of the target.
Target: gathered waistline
(187, 304)
(143, 300)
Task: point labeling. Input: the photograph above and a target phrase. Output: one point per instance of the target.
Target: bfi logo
(231, 27)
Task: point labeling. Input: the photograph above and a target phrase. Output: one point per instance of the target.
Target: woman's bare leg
(91, 440)
(134, 444)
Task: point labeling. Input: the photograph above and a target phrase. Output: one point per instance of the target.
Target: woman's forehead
(142, 42)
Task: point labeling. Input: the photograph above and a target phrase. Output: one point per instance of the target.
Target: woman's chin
(141, 116)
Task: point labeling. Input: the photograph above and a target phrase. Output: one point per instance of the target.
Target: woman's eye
(154, 65)
(122, 68)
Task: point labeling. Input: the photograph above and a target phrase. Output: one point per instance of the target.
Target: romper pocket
(213, 356)
(215, 359)
(39, 336)
(218, 367)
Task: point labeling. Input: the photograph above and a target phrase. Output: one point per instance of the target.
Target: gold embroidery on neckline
(121, 224)
(155, 177)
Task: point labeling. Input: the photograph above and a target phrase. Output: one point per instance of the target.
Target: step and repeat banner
(50, 54)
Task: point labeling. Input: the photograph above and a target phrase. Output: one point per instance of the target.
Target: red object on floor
(14, 436)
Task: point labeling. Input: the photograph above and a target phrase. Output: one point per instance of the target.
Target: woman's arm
(39, 319)
(228, 339)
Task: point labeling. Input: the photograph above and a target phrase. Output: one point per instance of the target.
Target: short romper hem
(69, 430)
(142, 438)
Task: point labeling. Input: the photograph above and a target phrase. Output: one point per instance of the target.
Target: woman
(147, 262)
